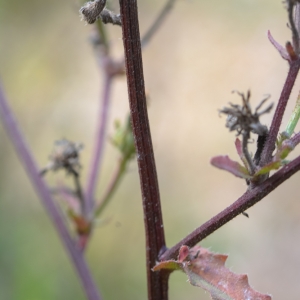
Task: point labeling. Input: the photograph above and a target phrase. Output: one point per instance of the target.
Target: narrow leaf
(294, 118)
(225, 163)
(282, 51)
(239, 149)
(207, 270)
(167, 265)
(274, 165)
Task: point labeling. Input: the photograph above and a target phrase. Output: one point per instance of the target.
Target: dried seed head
(65, 155)
(91, 11)
(241, 118)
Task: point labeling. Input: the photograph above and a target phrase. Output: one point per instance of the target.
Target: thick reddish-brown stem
(155, 241)
(277, 119)
(244, 202)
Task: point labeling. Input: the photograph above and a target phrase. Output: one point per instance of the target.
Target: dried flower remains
(65, 155)
(240, 118)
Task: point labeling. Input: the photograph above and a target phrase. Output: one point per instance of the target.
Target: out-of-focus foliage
(205, 50)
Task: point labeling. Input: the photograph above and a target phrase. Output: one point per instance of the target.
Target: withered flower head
(242, 119)
(65, 155)
(91, 11)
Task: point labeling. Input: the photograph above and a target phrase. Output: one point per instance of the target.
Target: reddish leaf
(183, 253)
(282, 51)
(225, 163)
(239, 149)
(238, 146)
(207, 270)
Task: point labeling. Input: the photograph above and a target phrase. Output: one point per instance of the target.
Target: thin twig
(99, 146)
(295, 33)
(157, 23)
(278, 115)
(247, 200)
(296, 139)
(250, 163)
(78, 191)
(117, 176)
(155, 240)
(103, 36)
(297, 17)
(42, 190)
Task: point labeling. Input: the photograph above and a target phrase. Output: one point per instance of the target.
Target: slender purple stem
(42, 190)
(247, 200)
(155, 240)
(278, 115)
(296, 139)
(99, 146)
(157, 23)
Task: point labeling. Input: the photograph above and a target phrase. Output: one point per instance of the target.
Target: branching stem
(247, 200)
(43, 191)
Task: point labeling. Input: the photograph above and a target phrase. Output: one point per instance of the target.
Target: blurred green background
(204, 50)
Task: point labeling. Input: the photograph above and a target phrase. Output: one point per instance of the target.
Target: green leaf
(274, 165)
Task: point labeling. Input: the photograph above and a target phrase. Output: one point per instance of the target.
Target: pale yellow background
(204, 50)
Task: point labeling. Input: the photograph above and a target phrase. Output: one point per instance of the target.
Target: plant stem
(99, 146)
(78, 191)
(295, 33)
(42, 190)
(248, 159)
(277, 118)
(120, 171)
(290, 127)
(155, 240)
(157, 23)
(247, 200)
(296, 139)
(103, 35)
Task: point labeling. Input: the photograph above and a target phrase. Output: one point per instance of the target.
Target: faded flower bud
(242, 119)
(91, 10)
(65, 155)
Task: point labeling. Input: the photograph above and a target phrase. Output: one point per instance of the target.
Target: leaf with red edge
(282, 50)
(207, 270)
(225, 163)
